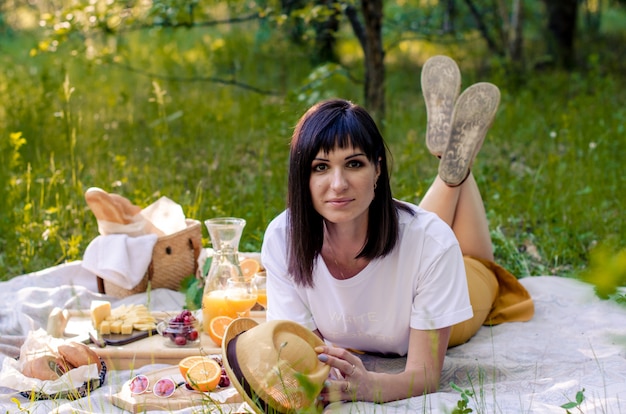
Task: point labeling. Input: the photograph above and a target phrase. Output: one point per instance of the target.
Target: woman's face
(342, 184)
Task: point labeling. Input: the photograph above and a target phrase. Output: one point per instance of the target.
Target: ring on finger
(347, 388)
(353, 369)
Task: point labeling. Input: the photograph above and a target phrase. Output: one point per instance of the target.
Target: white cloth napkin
(119, 258)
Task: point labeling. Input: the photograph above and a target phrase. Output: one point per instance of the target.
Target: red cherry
(224, 381)
(192, 335)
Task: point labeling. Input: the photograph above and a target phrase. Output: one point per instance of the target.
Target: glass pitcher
(226, 290)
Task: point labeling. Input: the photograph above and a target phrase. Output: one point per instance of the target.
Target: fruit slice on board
(205, 375)
(188, 362)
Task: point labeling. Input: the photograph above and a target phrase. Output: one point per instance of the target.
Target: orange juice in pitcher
(217, 299)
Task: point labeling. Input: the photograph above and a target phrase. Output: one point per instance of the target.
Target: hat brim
(235, 328)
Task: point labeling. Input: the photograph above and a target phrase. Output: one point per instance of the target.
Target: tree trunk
(374, 59)
(516, 40)
(562, 16)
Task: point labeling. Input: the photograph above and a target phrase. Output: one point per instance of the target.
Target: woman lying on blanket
(372, 274)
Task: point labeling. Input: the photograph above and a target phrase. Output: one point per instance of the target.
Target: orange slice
(205, 375)
(188, 362)
(249, 268)
(217, 327)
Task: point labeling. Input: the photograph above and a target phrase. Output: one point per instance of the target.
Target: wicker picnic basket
(174, 257)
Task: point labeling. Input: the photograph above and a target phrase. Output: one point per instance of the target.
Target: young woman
(372, 274)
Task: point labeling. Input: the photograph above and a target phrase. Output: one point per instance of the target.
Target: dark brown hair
(324, 126)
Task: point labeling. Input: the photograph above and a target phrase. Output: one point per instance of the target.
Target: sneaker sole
(473, 115)
(441, 84)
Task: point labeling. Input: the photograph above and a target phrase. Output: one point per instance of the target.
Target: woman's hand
(348, 379)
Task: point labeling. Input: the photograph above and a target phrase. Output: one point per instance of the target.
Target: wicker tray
(174, 257)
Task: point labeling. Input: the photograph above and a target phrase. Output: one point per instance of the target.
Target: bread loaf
(111, 207)
(76, 354)
(44, 368)
(70, 355)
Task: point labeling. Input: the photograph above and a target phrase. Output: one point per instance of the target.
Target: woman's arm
(427, 350)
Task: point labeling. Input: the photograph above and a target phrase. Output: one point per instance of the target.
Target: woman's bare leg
(463, 209)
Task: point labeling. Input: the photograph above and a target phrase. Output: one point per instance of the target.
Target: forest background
(196, 100)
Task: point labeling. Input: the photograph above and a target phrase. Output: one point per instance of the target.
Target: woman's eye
(354, 164)
(320, 167)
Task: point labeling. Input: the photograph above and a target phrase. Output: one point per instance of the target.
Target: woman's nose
(339, 181)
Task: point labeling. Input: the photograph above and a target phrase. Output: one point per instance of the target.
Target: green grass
(551, 170)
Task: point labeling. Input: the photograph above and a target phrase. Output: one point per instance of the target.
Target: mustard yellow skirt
(496, 297)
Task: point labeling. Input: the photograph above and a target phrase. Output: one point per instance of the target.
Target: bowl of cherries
(180, 330)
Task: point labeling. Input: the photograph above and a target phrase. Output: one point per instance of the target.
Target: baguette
(111, 207)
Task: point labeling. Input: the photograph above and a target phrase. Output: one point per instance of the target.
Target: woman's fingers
(341, 359)
(340, 390)
(346, 373)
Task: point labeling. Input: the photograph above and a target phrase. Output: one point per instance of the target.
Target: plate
(123, 339)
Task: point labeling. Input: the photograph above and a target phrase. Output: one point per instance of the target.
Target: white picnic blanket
(575, 342)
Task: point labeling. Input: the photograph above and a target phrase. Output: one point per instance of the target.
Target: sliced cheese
(116, 326)
(127, 328)
(124, 319)
(100, 310)
(105, 327)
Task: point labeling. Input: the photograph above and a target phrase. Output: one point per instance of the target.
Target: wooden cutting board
(154, 349)
(225, 399)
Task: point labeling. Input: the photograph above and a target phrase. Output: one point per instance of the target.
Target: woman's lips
(339, 202)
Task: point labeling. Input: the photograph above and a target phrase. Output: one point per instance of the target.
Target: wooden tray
(225, 400)
(154, 349)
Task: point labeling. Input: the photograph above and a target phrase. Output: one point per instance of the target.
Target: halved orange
(205, 375)
(188, 362)
(217, 328)
(249, 267)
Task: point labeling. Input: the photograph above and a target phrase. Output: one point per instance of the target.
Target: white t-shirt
(421, 284)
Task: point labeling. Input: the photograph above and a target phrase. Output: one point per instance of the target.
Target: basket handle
(195, 244)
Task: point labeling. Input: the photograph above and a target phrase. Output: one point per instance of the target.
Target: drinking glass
(240, 296)
(259, 281)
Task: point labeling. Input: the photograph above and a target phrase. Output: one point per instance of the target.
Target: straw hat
(273, 365)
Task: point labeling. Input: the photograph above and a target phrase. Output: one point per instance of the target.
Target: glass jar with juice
(226, 291)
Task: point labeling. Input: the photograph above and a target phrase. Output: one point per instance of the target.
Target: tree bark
(374, 59)
(562, 16)
(516, 39)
